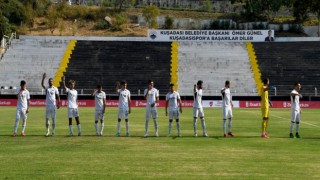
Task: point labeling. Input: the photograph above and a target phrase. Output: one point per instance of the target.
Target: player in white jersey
(23, 104)
(72, 96)
(100, 107)
(226, 109)
(52, 94)
(198, 109)
(174, 102)
(295, 109)
(124, 108)
(151, 95)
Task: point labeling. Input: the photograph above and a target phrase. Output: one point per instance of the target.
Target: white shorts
(123, 113)
(227, 113)
(51, 111)
(21, 113)
(198, 112)
(73, 112)
(98, 115)
(174, 114)
(151, 111)
(295, 116)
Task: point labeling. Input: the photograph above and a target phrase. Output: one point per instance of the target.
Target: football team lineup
(151, 95)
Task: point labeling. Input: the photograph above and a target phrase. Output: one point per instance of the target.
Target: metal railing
(6, 43)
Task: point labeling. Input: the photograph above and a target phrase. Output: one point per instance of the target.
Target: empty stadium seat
(105, 62)
(288, 62)
(214, 63)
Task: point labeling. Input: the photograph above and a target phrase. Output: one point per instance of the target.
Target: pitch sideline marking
(279, 117)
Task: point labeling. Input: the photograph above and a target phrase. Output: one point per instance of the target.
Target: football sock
(264, 126)
(96, 127)
(70, 129)
(101, 128)
(127, 126)
(203, 124)
(16, 123)
(195, 125)
(297, 126)
(53, 124)
(24, 124)
(170, 127)
(119, 126)
(79, 128)
(291, 126)
(230, 125)
(155, 125)
(178, 127)
(47, 124)
(224, 122)
(147, 125)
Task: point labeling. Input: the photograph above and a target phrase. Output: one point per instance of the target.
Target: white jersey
(226, 99)
(153, 94)
(173, 100)
(124, 96)
(51, 95)
(99, 99)
(295, 101)
(23, 99)
(197, 98)
(72, 98)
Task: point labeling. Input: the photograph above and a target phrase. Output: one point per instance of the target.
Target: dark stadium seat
(105, 62)
(288, 62)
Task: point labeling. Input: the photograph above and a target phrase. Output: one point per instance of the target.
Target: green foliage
(101, 24)
(300, 10)
(5, 27)
(296, 28)
(61, 26)
(253, 10)
(208, 6)
(120, 20)
(168, 23)
(222, 25)
(74, 28)
(13, 10)
(107, 4)
(29, 15)
(52, 19)
(150, 14)
(262, 9)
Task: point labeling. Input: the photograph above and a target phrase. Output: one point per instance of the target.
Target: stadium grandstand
(92, 61)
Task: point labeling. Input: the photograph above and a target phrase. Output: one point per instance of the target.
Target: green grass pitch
(246, 156)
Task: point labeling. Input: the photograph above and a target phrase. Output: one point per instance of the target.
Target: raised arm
(19, 93)
(94, 91)
(64, 84)
(117, 86)
(42, 82)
